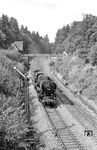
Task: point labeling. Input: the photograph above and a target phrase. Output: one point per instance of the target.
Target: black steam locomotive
(46, 88)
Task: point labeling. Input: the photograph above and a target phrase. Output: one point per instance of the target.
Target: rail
(79, 112)
(65, 137)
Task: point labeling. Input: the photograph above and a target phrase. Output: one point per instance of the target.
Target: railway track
(65, 136)
(78, 110)
(85, 119)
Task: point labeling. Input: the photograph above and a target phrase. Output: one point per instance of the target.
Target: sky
(47, 16)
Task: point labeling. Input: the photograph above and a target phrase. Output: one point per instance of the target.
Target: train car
(37, 73)
(40, 77)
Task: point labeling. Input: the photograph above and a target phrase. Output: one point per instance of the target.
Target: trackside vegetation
(14, 128)
(79, 67)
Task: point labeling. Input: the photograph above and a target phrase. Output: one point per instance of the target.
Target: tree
(93, 55)
(44, 44)
(2, 38)
(26, 42)
(5, 27)
(61, 34)
(15, 33)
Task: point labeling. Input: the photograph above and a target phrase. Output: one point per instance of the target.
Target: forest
(79, 38)
(11, 32)
(79, 67)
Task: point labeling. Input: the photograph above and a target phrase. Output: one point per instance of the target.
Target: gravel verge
(88, 142)
(88, 105)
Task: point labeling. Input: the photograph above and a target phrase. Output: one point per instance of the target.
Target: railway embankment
(90, 106)
(75, 126)
(76, 98)
(78, 78)
(77, 130)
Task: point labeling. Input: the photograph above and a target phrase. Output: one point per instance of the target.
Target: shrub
(51, 63)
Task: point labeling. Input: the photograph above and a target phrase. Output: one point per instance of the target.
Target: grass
(79, 76)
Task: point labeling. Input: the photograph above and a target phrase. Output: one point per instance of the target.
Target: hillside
(79, 67)
(79, 38)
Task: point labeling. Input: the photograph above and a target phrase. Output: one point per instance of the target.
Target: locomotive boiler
(46, 89)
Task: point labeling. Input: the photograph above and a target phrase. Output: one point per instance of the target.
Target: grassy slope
(79, 76)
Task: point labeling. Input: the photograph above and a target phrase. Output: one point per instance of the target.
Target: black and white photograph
(48, 75)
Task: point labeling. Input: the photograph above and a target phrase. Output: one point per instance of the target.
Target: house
(17, 46)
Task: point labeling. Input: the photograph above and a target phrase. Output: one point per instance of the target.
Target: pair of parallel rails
(87, 120)
(66, 138)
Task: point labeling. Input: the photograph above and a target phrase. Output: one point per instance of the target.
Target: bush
(12, 116)
(79, 76)
(51, 63)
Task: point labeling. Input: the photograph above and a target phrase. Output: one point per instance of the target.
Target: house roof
(17, 45)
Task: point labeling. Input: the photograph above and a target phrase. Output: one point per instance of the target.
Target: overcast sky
(47, 16)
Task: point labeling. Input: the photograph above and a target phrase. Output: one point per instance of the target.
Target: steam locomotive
(46, 89)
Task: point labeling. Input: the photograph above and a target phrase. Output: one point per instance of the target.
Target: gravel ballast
(41, 123)
(44, 128)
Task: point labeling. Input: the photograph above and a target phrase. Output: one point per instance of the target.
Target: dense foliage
(80, 37)
(78, 76)
(14, 127)
(79, 67)
(32, 42)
